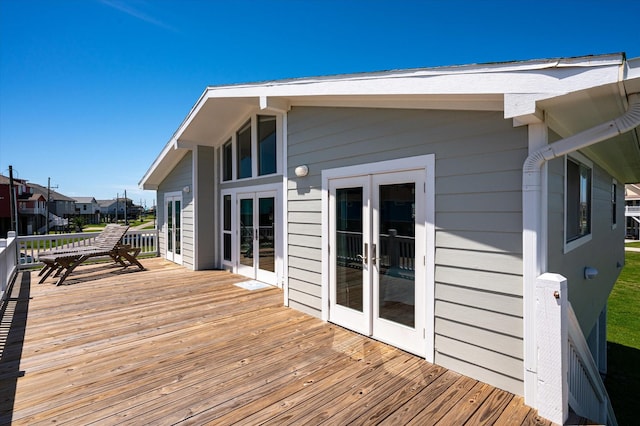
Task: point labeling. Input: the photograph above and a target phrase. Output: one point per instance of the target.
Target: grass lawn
(623, 336)
(634, 244)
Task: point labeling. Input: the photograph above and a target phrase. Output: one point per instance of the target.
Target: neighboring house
(59, 204)
(88, 208)
(632, 210)
(30, 204)
(32, 210)
(418, 206)
(116, 209)
(5, 205)
(31, 207)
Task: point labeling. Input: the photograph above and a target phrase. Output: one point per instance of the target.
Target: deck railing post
(552, 346)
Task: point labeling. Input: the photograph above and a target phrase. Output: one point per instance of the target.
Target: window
(252, 151)
(243, 143)
(578, 199)
(266, 145)
(227, 161)
(614, 204)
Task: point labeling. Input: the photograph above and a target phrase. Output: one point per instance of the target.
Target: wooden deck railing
(567, 375)
(632, 211)
(8, 262)
(587, 394)
(31, 246)
(394, 251)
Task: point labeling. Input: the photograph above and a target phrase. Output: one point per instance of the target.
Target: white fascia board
(143, 184)
(191, 115)
(549, 77)
(521, 86)
(171, 154)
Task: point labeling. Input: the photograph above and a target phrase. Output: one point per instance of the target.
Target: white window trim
(254, 149)
(232, 265)
(572, 245)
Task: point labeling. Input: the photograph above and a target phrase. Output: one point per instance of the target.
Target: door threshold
(252, 285)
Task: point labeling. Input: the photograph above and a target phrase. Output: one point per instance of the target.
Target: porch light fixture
(186, 189)
(302, 171)
(590, 273)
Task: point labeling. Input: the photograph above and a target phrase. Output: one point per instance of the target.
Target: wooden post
(552, 341)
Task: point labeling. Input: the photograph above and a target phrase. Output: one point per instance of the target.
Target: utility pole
(126, 217)
(48, 201)
(117, 207)
(13, 205)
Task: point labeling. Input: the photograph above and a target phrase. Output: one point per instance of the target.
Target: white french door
(173, 231)
(257, 235)
(377, 242)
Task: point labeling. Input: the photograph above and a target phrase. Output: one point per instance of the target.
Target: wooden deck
(167, 346)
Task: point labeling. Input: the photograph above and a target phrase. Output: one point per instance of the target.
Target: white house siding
(478, 255)
(180, 176)
(605, 251)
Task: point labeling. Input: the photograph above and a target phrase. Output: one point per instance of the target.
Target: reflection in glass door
(396, 253)
(173, 233)
(246, 232)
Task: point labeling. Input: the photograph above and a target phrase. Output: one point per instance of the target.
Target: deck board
(172, 346)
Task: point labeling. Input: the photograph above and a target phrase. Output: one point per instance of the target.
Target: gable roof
(85, 200)
(572, 94)
(53, 195)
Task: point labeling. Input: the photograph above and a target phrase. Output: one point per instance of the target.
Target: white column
(552, 347)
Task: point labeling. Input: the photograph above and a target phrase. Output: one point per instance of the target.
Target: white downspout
(532, 219)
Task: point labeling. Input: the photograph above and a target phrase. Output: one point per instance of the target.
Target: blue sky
(91, 90)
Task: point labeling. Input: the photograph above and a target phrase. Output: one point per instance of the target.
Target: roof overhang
(523, 91)
(574, 112)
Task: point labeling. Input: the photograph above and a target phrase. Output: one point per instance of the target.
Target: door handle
(363, 258)
(373, 254)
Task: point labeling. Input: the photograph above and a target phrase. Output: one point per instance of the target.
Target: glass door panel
(257, 241)
(266, 234)
(349, 247)
(177, 227)
(396, 253)
(246, 248)
(350, 297)
(398, 273)
(173, 235)
(169, 209)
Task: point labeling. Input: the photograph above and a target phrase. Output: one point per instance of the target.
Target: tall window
(266, 145)
(252, 151)
(243, 143)
(578, 199)
(614, 203)
(227, 161)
